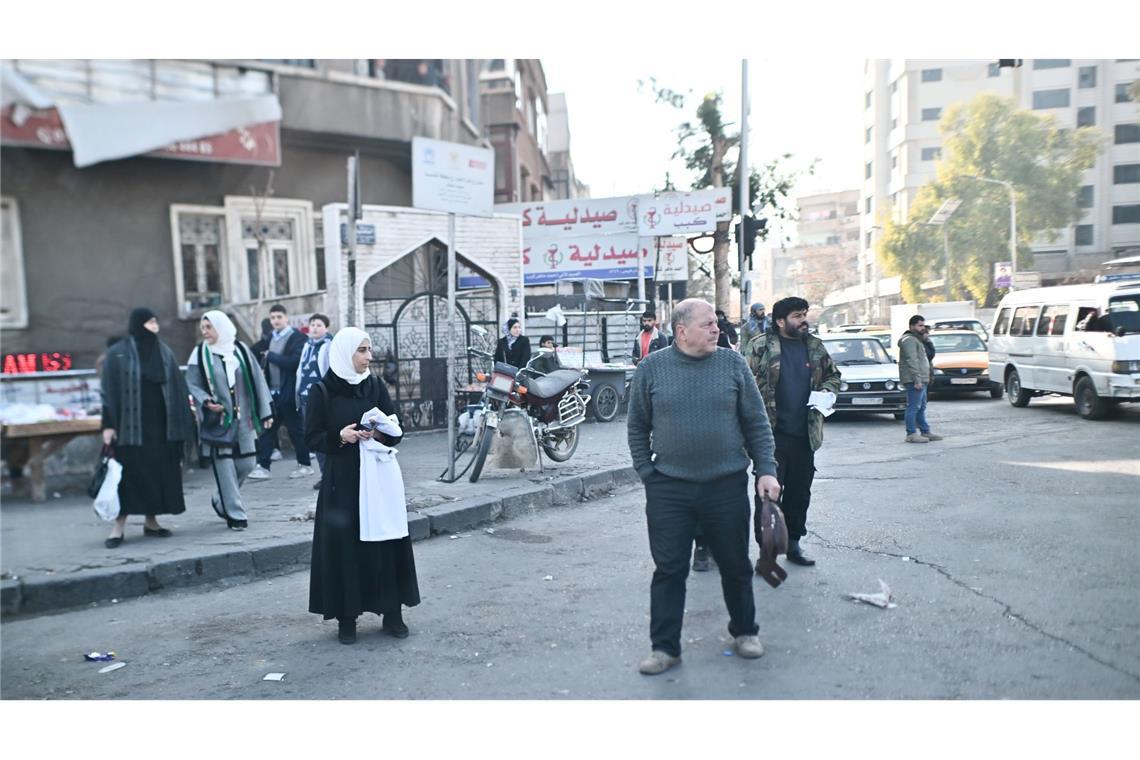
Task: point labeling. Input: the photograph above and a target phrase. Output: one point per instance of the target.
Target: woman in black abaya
(349, 576)
(146, 416)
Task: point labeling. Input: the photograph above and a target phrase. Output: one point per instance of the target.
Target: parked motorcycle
(553, 405)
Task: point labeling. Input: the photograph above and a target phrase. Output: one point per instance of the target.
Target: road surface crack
(1007, 610)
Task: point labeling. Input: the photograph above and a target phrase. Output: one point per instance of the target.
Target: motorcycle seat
(553, 384)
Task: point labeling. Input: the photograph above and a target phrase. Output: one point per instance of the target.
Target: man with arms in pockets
(695, 422)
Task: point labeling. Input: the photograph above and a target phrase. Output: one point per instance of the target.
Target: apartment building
(905, 98)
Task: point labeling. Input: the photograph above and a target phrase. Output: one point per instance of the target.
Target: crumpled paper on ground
(881, 599)
(823, 402)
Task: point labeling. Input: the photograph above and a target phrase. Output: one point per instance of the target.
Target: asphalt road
(1012, 549)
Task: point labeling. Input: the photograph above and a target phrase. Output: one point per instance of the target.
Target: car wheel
(1018, 396)
(1089, 404)
(996, 391)
(899, 415)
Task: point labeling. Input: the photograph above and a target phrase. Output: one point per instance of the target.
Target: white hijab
(343, 346)
(225, 345)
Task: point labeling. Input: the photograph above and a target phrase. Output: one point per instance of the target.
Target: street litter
(306, 517)
(489, 531)
(99, 656)
(548, 578)
(727, 653)
(115, 666)
(906, 559)
(273, 677)
(881, 599)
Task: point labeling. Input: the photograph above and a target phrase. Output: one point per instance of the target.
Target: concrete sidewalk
(54, 558)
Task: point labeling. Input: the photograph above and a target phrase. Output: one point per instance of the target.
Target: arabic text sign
(683, 213)
(672, 258)
(612, 257)
(452, 177)
(576, 217)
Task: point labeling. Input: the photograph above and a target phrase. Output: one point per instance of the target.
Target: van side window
(1086, 316)
(1002, 323)
(1053, 320)
(1024, 320)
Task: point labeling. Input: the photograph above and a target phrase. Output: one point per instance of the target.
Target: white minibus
(1075, 340)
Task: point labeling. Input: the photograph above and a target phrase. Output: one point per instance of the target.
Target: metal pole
(743, 166)
(640, 272)
(946, 250)
(451, 277)
(1012, 231)
(351, 195)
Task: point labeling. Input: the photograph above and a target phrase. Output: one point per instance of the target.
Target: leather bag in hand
(773, 540)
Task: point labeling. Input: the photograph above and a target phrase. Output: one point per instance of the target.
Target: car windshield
(957, 342)
(1124, 311)
(962, 324)
(856, 351)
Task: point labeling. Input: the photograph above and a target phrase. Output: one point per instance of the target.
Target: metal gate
(409, 334)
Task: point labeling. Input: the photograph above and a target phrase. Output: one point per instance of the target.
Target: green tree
(709, 149)
(988, 137)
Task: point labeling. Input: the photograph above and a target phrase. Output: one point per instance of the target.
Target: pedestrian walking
(281, 359)
(350, 575)
(314, 364)
(728, 337)
(695, 422)
(755, 326)
(514, 347)
(651, 339)
(146, 416)
(224, 379)
(915, 374)
(788, 364)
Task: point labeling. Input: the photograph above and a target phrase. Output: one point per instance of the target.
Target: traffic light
(752, 228)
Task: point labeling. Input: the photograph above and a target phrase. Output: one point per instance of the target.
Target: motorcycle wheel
(481, 445)
(606, 403)
(563, 444)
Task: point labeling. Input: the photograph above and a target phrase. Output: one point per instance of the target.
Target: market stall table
(43, 439)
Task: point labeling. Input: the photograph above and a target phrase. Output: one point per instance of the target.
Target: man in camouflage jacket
(788, 364)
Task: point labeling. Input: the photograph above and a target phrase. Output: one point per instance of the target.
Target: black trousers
(795, 469)
(283, 414)
(673, 510)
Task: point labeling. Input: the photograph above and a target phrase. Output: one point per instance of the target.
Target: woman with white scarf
(224, 378)
(362, 553)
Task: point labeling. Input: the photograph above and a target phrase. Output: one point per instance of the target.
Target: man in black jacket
(280, 355)
(650, 339)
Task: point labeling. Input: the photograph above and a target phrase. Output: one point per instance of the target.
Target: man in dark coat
(279, 361)
(651, 339)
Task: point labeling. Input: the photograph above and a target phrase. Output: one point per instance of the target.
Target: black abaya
(349, 576)
(152, 472)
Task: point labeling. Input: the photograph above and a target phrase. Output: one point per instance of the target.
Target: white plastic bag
(107, 502)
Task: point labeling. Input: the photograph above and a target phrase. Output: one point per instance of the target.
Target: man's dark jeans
(795, 467)
(673, 509)
(283, 414)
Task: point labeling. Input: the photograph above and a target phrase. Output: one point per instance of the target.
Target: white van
(1076, 340)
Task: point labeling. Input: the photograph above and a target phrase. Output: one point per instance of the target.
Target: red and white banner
(683, 213)
(612, 257)
(577, 217)
(258, 144)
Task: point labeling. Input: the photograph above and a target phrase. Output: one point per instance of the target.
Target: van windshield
(1123, 311)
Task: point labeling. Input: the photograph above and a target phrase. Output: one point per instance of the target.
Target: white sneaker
(749, 647)
(275, 456)
(302, 471)
(258, 473)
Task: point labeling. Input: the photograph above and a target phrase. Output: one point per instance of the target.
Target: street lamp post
(940, 218)
(1012, 221)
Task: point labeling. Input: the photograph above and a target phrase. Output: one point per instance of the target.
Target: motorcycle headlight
(843, 386)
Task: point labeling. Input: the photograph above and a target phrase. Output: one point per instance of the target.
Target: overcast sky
(621, 140)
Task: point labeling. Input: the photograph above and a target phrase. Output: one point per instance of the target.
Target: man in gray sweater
(695, 422)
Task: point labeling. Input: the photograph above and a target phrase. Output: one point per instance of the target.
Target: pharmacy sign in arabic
(452, 177)
(611, 257)
(576, 217)
(683, 213)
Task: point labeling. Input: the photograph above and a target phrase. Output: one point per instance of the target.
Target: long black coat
(517, 355)
(349, 576)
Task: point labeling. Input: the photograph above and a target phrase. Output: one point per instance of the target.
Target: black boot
(796, 555)
(394, 625)
(346, 630)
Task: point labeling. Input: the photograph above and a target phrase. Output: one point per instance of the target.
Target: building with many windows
(905, 98)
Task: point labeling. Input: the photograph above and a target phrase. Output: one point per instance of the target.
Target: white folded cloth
(383, 510)
(823, 402)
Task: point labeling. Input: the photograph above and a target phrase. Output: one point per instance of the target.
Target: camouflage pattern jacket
(763, 355)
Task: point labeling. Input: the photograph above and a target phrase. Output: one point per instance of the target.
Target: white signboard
(683, 213)
(1023, 280)
(452, 177)
(1003, 274)
(576, 217)
(673, 259)
(611, 257)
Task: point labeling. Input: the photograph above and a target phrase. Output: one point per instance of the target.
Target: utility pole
(353, 211)
(742, 165)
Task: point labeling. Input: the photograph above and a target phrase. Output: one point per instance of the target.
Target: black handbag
(100, 473)
(213, 430)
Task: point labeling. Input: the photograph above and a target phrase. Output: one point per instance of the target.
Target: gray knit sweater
(697, 419)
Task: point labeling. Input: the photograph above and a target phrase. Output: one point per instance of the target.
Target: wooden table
(43, 439)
